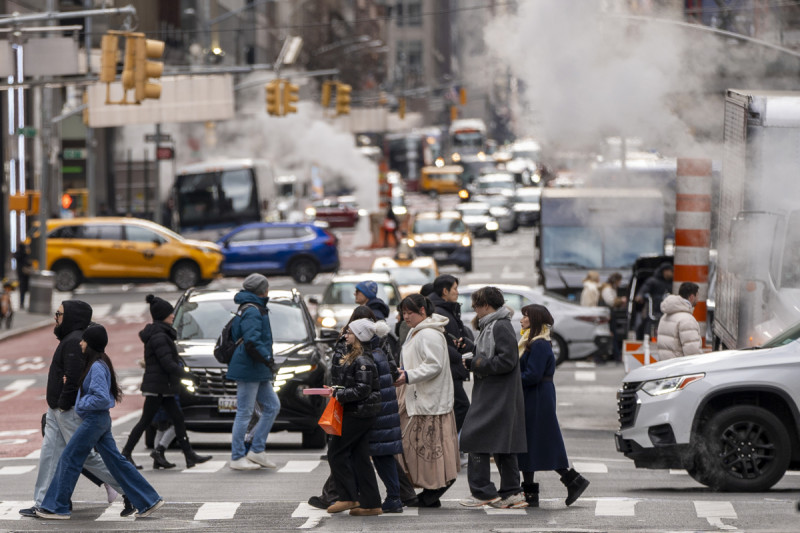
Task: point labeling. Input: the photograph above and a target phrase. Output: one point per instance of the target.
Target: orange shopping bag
(331, 419)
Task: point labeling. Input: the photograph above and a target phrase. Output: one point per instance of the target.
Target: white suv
(731, 419)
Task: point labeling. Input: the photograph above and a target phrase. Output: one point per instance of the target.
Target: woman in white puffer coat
(678, 331)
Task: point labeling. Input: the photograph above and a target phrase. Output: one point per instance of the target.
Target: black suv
(208, 399)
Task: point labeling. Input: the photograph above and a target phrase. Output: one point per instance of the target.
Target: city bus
(467, 136)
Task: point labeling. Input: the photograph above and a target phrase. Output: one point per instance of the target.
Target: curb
(25, 329)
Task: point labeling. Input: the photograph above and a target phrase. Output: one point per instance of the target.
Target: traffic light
(86, 109)
(343, 99)
(128, 68)
(274, 98)
(108, 58)
(401, 108)
(290, 97)
(453, 113)
(327, 86)
(145, 69)
(462, 96)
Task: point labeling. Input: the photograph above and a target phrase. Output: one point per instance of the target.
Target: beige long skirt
(430, 447)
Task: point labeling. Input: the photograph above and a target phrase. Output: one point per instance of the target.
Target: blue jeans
(386, 466)
(247, 394)
(95, 432)
(58, 431)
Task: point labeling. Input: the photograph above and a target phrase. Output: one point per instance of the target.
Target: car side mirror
(313, 301)
(157, 241)
(328, 335)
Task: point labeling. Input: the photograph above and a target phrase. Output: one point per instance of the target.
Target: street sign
(27, 131)
(74, 153)
(154, 138)
(164, 153)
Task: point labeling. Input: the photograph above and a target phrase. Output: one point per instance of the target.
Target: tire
(494, 237)
(185, 274)
(68, 277)
(468, 267)
(728, 443)
(560, 349)
(303, 270)
(315, 439)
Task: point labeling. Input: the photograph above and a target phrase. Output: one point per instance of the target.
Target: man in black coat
(655, 288)
(445, 299)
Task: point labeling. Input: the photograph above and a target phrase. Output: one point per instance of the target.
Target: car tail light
(593, 319)
(332, 240)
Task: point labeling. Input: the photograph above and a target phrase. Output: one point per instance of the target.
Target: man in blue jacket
(252, 368)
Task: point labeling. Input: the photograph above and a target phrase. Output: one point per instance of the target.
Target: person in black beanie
(161, 382)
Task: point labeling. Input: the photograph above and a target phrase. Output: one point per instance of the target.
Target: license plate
(440, 255)
(226, 405)
(618, 441)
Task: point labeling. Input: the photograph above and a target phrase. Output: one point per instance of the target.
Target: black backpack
(225, 346)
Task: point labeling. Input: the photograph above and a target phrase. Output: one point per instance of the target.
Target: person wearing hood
(163, 370)
(367, 294)
(61, 421)
(655, 288)
(495, 423)
(253, 368)
(425, 398)
(678, 330)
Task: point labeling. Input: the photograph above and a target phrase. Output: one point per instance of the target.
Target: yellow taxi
(126, 249)
(408, 274)
(443, 236)
(441, 179)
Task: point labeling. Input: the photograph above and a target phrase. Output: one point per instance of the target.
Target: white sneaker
(260, 458)
(515, 501)
(111, 494)
(243, 464)
(475, 502)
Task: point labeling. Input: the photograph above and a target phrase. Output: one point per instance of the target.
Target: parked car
(479, 220)
(298, 250)
(126, 249)
(501, 207)
(443, 236)
(408, 275)
(339, 300)
(728, 418)
(337, 213)
(527, 205)
(208, 399)
(578, 331)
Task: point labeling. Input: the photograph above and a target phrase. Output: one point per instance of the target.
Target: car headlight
(411, 243)
(658, 387)
(492, 226)
(311, 212)
(286, 370)
(328, 322)
(466, 241)
(189, 384)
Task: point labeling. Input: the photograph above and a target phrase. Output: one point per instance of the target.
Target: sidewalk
(24, 322)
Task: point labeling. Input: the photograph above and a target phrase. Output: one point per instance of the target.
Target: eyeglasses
(59, 313)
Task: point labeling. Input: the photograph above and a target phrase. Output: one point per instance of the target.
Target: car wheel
(303, 270)
(743, 448)
(560, 349)
(494, 237)
(185, 274)
(68, 277)
(314, 439)
(468, 267)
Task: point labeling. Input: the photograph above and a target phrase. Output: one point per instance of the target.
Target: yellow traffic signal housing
(128, 67)
(274, 98)
(147, 49)
(401, 108)
(462, 96)
(86, 109)
(290, 96)
(453, 112)
(343, 99)
(108, 59)
(327, 86)
(28, 202)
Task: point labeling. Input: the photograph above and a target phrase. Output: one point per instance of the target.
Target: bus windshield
(217, 198)
(468, 139)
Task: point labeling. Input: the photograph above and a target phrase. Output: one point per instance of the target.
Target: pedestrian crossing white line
(678, 472)
(16, 470)
(585, 375)
(111, 514)
(312, 514)
(299, 467)
(590, 468)
(492, 511)
(133, 309)
(585, 364)
(715, 511)
(100, 311)
(10, 510)
(34, 454)
(18, 432)
(206, 468)
(217, 511)
(615, 507)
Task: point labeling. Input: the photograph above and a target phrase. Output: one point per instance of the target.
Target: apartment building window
(412, 12)
(409, 59)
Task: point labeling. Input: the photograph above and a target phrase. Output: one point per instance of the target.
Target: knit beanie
(363, 328)
(368, 289)
(159, 308)
(96, 337)
(256, 283)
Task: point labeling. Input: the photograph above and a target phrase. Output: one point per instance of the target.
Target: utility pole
(91, 180)
(46, 176)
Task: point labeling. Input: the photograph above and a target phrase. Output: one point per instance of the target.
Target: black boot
(575, 484)
(127, 455)
(159, 460)
(191, 457)
(129, 509)
(531, 494)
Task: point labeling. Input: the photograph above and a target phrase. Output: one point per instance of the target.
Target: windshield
(344, 292)
(609, 247)
(468, 139)
(438, 225)
(213, 197)
(204, 319)
(784, 338)
(410, 275)
(531, 196)
(469, 211)
(443, 177)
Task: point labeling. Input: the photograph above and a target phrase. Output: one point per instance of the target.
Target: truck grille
(211, 382)
(626, 404)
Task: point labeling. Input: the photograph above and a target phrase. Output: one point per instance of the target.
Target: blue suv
(299, 250)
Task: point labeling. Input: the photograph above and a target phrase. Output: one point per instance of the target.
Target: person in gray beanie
(256, 283)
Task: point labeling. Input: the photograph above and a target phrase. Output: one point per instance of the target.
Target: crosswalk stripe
(303, 467)
(585, 375)
(217, 511)
(492, 511)
(615, 507)
(10, 510)
(133, 309)
(111, 514)
(591, 468)
(16, 470)
(312, 514)
(100, 311)
(206, 468)
(715, 511)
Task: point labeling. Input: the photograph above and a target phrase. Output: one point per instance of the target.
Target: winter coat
(678, 330)
(427, 366)
(543, 434)
(656, 286)
(68, 359)
(385, 437)
(254, 327)
(455, 327)
(590, 295)
(495, 422)
(361, 393)
(379, 308)
(162, 366)
(95, 393)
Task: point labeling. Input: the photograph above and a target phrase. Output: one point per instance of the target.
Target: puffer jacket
(427, 364)
(385, 437)
(68, 359)
(162, 366)
(254, 327)
(360, 394)
(678, 330)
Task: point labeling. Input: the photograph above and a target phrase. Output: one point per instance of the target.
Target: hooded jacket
(455, 327)
(427, 365)
(379, 308)
(656, 286)
(162, 366)
(68, 359)
(678, 330)
(385, 437)
(254, 328)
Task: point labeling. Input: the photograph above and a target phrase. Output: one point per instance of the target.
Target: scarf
(522, 345)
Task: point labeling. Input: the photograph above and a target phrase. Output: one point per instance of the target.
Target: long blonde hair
(356, 349)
